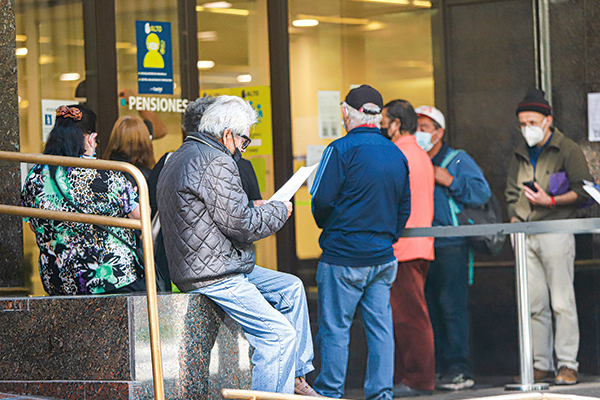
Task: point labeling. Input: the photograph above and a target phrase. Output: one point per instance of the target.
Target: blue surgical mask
(424, 140)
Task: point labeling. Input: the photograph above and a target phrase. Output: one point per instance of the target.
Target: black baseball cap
(362, 95)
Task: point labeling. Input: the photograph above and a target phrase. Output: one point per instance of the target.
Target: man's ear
(225, 133)
(441, 133)
(399, 124)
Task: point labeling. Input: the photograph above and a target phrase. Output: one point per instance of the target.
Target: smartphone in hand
(530, 185)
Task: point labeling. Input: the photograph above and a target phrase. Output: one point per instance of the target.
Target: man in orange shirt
(414, 373)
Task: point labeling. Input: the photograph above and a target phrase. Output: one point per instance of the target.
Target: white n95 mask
(533, 134)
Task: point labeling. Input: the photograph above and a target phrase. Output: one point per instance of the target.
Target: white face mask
(424, 140)
(533, 134)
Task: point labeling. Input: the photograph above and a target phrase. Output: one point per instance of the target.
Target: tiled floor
(588, 386)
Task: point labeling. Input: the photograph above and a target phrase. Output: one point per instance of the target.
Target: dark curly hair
(66, 137)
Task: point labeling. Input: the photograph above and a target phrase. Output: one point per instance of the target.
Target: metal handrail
(144, 224)
(519, 231)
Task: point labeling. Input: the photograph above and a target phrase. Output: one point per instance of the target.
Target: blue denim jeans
(446, 292)
(343, 290)
(271, 308)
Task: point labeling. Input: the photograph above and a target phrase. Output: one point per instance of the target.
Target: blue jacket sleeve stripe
(320, 170)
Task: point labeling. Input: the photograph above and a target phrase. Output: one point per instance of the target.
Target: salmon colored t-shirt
(422, 184)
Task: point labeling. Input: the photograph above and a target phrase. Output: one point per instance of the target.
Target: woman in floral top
(81, 258)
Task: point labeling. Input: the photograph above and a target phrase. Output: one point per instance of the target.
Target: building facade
(296, 59)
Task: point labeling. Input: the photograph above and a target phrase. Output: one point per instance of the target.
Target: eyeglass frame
(246, 141)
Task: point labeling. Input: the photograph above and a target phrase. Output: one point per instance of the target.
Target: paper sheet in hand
(291, 187)
(590, 188)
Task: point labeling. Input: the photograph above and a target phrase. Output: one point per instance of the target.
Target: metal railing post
(525, 339)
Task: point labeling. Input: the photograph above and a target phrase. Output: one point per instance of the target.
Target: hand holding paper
(592, 190)
(288, 190)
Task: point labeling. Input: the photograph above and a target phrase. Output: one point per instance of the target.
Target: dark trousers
(414, 359)
(446, 291)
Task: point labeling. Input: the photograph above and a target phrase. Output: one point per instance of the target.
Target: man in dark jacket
(457, 177)
(361, 200)
(189, 123)
(209, 226)
(548, 160)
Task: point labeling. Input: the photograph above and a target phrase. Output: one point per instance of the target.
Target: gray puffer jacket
(207, 221)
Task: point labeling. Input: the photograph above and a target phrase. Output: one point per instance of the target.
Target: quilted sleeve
(227, 204)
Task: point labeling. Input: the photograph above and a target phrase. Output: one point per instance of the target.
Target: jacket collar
(555, 142)
(208, 140)
(365, 129)
(439, 157)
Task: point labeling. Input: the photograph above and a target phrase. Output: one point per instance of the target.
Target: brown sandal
(303, 388)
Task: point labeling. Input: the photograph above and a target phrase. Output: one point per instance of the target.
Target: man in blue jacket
(361, 200)
(446, 289)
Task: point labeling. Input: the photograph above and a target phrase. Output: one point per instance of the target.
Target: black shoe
(402, 390)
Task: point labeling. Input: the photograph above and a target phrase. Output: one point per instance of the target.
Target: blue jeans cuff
(304, 370)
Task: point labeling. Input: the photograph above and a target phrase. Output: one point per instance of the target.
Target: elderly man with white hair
(209, 226)
(361, 199)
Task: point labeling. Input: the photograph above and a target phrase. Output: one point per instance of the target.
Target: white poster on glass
(594, 117)
(329, 114)
(313, 156)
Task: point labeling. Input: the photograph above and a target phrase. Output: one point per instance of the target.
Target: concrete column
(12, 275)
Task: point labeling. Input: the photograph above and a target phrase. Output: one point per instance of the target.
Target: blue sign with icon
(154, 57)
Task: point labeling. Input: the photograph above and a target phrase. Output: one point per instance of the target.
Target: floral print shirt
(80, 258)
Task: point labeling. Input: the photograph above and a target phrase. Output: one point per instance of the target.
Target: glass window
(233, 58)
(50, 65)
(232, 44)
(165, 121)
(335, 45)
(50, 61)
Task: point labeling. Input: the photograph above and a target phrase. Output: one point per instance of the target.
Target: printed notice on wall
(329, 114)
(49, 115)
(154, 57)
(594, 117)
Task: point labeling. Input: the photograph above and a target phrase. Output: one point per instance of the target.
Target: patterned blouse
(79, 258)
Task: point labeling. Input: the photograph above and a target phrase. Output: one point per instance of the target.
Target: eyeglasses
(245, 141)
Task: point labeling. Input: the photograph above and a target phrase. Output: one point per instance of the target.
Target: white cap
(432, 113)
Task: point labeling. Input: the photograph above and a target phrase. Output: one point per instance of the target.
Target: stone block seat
(98, 347)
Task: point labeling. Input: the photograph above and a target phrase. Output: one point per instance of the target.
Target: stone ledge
(101, 344)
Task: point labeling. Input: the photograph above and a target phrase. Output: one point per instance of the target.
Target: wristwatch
(552, 202)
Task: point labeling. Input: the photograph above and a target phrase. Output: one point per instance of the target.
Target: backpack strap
(449, 157)
(455, 210)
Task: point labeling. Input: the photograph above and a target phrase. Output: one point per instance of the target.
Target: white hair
(356, 118)
(228, 112)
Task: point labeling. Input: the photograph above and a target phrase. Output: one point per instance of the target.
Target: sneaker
(457, 382)
(303, 388)
(566, 376)
(403, 390)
